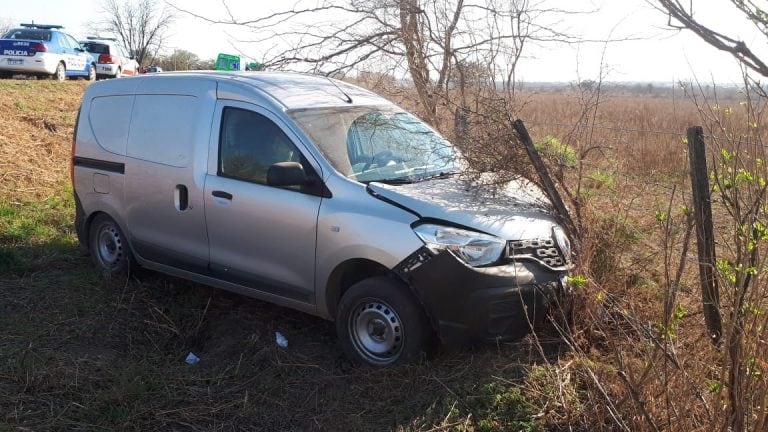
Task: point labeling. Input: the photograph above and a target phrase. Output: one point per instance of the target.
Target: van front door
(260, 236)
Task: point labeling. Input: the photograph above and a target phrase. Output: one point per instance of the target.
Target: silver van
(316, 195)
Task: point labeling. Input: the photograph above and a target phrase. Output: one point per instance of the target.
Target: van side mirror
(286, 174)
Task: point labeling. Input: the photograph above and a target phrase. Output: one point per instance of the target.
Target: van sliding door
(166, 162)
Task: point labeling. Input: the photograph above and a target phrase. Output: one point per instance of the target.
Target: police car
(44, 50)
(112, 59)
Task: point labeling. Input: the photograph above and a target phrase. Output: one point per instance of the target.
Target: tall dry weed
(36, 137)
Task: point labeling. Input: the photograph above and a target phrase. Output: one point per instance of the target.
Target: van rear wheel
(109, 248)
(380, 322)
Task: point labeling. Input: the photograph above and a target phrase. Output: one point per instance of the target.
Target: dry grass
(642, 366)
(81, 354)
(35, 136)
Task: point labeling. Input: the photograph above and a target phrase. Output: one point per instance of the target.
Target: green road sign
(227, 62)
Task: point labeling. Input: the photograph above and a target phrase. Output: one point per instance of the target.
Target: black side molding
(115, 167)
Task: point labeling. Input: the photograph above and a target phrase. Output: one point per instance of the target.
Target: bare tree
(179, 60)
(425, 38)
(142, 25)
(682, 16)
(5, 25)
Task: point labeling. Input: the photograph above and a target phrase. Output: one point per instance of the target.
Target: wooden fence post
(549, 185)
(705, 237)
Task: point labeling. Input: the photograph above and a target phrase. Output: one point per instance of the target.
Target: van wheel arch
(89, 223)
(347, 274)
(109, 247)
(87, 226)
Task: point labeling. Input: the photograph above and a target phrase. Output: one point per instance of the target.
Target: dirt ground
(80, 353)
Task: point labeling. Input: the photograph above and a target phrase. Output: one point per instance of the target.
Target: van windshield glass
(377, 143)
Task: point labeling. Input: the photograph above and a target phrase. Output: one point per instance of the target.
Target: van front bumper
(467, 303)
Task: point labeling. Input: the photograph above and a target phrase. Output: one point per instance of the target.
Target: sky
(649, 52)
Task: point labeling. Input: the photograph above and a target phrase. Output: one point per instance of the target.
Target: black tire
(92, 73)
(380, 322)
(109, 248)
(61, 72)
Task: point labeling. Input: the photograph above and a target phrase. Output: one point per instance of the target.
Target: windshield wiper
(394, 181)
(440, 175)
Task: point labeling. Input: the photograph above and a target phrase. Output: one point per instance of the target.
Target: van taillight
(38, 47)
(107, 58)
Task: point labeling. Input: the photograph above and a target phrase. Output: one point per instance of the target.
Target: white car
(112, 59)
(44, 50)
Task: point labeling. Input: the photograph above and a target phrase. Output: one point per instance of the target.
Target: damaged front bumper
(469, 303)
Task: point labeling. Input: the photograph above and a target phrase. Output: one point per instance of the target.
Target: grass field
(81, 353)
(78, 352)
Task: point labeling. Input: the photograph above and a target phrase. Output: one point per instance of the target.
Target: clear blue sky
(664, 56)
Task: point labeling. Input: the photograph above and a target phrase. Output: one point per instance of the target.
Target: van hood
(517, 210)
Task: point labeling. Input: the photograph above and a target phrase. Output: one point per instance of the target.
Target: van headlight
(562, 242)
(472, 247)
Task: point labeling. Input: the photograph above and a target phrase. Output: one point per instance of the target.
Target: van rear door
(260, 236)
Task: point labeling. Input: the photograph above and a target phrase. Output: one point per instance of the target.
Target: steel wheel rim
(109, 246)
(376, 331)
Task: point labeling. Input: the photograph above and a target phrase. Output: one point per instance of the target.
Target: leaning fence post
(705, 237)
(546, 181)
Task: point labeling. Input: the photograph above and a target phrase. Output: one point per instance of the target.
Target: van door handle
(222, 194)
(181, 197)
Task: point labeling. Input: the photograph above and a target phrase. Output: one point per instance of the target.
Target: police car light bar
(42, 26)
(102, 38)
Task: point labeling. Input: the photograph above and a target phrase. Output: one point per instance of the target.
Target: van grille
(544, 251)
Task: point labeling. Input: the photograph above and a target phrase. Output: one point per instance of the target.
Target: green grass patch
(35, 234)
(553, 148)
(600, 179)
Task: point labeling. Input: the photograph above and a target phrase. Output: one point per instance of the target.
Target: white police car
(112, 59)
(44, 50)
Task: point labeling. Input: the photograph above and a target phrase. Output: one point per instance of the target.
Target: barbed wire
(611, 128)
(751, 141)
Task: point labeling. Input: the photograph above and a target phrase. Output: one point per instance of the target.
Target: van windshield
(382, 144)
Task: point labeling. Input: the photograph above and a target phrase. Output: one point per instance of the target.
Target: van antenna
(349, 99)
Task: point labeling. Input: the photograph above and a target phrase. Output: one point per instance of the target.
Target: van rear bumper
(467, 303)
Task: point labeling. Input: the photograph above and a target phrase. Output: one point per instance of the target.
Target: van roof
(294, 90)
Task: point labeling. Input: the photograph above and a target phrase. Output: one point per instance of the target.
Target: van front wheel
(109, 248)
(380, 322)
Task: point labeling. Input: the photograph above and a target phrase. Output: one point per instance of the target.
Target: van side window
(250, 143)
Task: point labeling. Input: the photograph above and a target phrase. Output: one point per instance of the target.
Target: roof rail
(42, 26)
